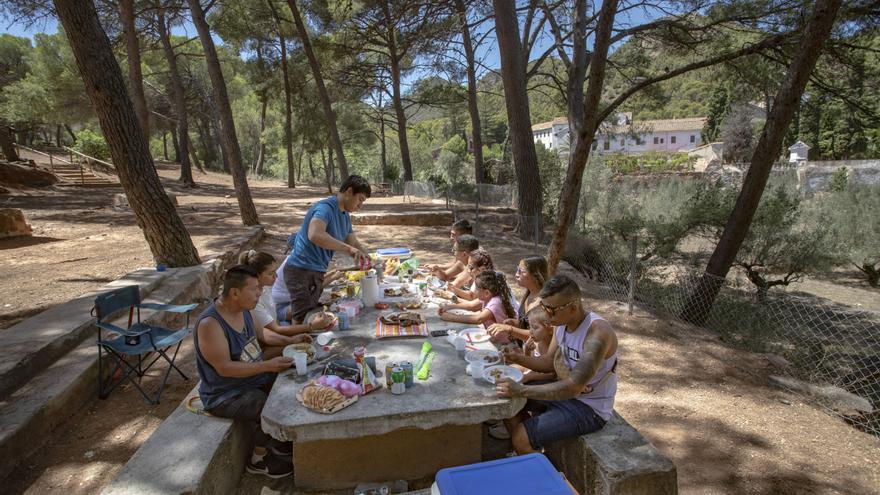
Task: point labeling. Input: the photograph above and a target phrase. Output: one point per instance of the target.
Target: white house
(798, 152)
(628, 136)
(553, 134)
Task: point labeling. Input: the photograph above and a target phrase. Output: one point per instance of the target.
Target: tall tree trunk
(326, 104)
(513, 75)
(577, 73)
(181, 149)
(261, 153)
(203, 127)
(163, 229)
(264, 100)
(473, 110)
(288, 112)
(299, 168)
(394, 61)
(328, 164)
(383, 156)
(312, 166)
(58, 135)
(164, 145)
(192, 154)
(176, 144)
(227, 125)
(7, 144)
(70, 133)
(135, 77)
(818, 28)
(571, 189)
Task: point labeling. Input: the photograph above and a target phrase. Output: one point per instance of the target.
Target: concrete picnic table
(435, 424)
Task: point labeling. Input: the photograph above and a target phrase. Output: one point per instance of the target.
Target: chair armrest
(170, 308)
(130, 332)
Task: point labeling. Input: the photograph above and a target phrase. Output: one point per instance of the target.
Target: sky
(487, 53)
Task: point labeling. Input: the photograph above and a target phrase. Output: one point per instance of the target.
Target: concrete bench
(615, 460)
(189, 453)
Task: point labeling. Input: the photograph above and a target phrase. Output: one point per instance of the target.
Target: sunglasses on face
(551, 310)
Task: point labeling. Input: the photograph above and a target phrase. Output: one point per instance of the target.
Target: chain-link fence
(829, 352)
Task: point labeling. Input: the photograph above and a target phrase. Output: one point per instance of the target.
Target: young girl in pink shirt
(494, 299)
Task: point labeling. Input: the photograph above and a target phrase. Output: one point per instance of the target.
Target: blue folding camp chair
(130, 347)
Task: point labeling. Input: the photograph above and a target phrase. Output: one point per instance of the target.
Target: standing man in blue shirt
(325, 229)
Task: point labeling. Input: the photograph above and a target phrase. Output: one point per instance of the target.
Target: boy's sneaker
(499, 432)
(270, 465)
(282, 449)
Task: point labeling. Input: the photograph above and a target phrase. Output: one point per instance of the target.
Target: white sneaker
(499, 432)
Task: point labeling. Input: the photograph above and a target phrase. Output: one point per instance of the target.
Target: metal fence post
(633, 244)
(477, 213)
(537, 231)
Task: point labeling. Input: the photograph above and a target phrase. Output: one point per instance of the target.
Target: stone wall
(816, 176)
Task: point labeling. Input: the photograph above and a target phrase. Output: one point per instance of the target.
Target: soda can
(398, 377)
(409, 376)
(388, 367)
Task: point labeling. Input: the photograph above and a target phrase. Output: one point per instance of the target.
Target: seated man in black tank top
(235, 378)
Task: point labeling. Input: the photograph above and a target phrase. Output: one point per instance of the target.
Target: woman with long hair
(531, 273)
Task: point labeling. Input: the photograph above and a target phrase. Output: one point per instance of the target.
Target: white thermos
(370, 289)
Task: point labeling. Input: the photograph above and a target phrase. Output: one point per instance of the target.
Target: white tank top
(571, 344)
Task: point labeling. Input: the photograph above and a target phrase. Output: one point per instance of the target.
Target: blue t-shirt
(309, 255)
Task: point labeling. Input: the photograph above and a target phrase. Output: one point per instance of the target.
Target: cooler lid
(522, 475)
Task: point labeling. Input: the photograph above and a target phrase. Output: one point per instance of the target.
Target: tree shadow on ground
(25, 241)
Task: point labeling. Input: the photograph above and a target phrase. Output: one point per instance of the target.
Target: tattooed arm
(596, 349)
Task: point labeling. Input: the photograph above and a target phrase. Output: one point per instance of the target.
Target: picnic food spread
(397, 291)
(405, 319)
(321, 398)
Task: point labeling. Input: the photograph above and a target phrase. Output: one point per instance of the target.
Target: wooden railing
(52, 159)
(90, 160)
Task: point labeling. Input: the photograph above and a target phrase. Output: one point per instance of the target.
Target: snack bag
(410, 266)
(368, 378)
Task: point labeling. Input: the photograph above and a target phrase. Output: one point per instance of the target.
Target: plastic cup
(300, 359)
(477, 368)
(324, 338)
(460, 344)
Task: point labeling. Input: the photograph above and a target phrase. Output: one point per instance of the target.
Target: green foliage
(51, 91)
(552, 169)
(650, 162)
(853, 213)
(93, 144)
(839, 180)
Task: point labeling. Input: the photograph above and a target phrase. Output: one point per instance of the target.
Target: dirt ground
(706, 406)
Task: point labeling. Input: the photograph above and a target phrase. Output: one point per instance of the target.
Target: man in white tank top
(583, 353)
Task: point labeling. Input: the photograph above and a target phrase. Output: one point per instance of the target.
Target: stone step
(57, 391)
(37, 342)
(48, 371)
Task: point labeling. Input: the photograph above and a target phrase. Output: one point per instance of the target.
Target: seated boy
(457, 273)
(459, 228)
(235, 378)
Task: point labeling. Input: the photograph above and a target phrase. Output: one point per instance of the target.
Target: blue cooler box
(530, 474)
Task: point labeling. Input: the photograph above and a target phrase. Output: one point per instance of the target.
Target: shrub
(93, 144)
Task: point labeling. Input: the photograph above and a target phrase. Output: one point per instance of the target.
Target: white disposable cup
(477, 368)
(300, 360)
(459, 344)
(351, 311)
(324, 338)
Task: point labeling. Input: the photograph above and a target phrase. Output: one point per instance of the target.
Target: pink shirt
(497, 308)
